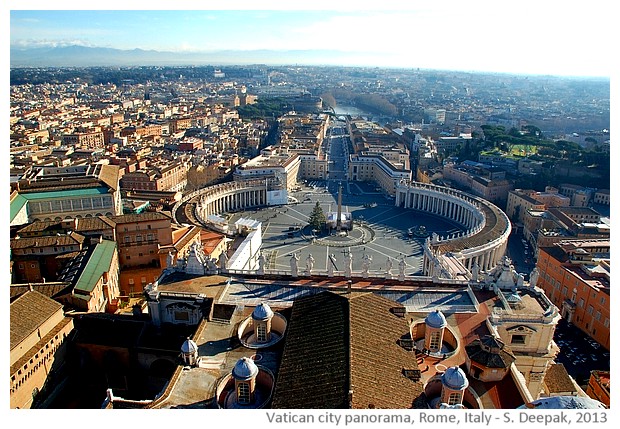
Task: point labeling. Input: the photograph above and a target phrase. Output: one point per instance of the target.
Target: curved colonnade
(225, 197)
(482, 244)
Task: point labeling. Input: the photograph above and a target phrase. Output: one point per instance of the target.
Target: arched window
(454, 398)
(243, 393)
(261, 333)
(434, 341)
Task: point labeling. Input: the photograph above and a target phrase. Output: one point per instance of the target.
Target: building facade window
(517, 339)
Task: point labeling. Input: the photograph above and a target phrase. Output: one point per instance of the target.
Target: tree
(317, 217)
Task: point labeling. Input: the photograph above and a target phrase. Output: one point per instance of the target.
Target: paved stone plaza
(383, 232)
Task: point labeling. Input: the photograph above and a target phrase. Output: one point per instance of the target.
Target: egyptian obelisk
(339, 218)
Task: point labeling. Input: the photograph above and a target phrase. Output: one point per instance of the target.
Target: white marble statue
(223, 260)
(401, 269)
(475, 272)
(309, 264)
(261, 263)
(388, 268)
(366, 260)
(330, 265)
(294, 267)
(348, 267)
(534, 277)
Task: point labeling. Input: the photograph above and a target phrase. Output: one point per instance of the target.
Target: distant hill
(82, 56)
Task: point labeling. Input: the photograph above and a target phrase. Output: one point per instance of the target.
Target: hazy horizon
(534, 39)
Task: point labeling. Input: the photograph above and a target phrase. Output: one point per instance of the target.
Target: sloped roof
(28, 312)
(98, 264)
(49, 289)
(377, 361)
(490, 352)
(557, 381)
(139, 217)
(314, 369)
(336, 343)
(47, 241)
(17, 203)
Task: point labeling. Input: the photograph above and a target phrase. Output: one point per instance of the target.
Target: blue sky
(528, 36)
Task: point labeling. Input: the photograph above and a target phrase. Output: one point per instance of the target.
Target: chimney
(349, 285)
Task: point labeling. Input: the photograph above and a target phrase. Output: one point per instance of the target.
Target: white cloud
(43, 43)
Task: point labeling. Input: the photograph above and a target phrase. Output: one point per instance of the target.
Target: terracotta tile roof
(336, 343)
(139, 217)
(110, 175)
(314, 371)
(377, 361)
(503, 394)
(47, 241)
(28, 313)
(94, 224)
(557, 381)
(51, 289)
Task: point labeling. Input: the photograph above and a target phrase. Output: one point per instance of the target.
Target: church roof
(340, 343)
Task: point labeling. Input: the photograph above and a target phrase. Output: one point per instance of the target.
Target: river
(354, 111)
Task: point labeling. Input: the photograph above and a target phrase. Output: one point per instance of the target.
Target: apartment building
(579, 195)
(157, 176)
(602, 196)
(487, 182)
(313, 166)
(546, 227)
(88, 139)
(272, 162)
(522, 200)
(139, 238)
(575, 275)
(599, 386)
(38, 259)
(375, 168)
(179, 124)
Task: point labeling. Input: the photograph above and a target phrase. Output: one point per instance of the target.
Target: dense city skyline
(451, 36)
(347, 206)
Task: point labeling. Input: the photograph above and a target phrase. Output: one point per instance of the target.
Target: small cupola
(433, 334)
(261, 317)
(189, 352)
(244, 373)
(454, 382)
(488, 359)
